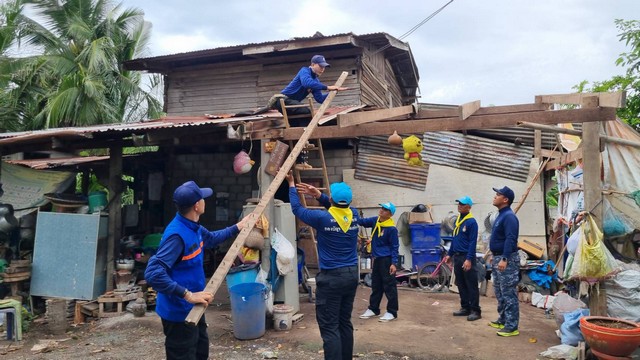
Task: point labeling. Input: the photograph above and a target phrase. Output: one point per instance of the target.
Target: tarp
(24, 188)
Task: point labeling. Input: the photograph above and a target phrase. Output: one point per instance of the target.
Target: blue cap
(189, 193)
(389, 206)
(506, 192)
(341, 193)
(319, 59)
(465, 200)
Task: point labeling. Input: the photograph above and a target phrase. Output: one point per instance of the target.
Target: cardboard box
(531, 248)
(416, 217)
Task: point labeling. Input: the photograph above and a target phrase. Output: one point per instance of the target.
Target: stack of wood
(18, 271)
(118, 298)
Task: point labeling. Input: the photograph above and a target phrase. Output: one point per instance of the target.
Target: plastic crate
(424, 236)
(423, 256)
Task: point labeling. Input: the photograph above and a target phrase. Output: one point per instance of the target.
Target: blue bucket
(248, 310)
(245, 273)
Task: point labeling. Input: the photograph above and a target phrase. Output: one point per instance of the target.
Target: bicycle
(435, 276)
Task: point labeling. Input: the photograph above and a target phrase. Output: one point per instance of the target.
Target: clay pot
(395, 139)
(610, 340)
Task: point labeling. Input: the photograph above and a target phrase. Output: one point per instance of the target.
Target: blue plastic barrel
(248, 310)
(245, 273)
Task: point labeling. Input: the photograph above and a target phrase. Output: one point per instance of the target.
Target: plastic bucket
(242, 274)
(248, 310)
(282, 315)
(97, 201)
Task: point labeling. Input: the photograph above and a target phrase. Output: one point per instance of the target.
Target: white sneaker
(387, 317)
(367, 314)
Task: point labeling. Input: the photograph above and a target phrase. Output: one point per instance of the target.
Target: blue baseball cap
(341, 193)
(319, 59)
(189, 193)
(506, 192)
(465, 200)
(389, 206)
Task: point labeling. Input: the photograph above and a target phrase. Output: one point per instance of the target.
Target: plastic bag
(262, 279)
(570, 328)
(286, 252)
(592, 260)
(561, 352)
(574, 240)
(563, 304)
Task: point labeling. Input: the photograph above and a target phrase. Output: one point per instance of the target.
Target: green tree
(629, 33)
(74, 75)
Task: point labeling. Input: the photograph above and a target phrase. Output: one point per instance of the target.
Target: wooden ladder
(218, 276)
(304, 232)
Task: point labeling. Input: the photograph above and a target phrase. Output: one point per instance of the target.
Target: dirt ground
(424, 329)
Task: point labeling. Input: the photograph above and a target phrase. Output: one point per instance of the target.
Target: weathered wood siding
(230, 88)
(377, 81)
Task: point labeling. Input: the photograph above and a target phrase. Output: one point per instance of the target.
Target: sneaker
(506, 332)
(496, 324)
(387, 317)
(368, 314)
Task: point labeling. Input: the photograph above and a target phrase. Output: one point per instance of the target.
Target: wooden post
(265, 181)
(593, 193)
(216, 280)
(537, 143)
(115, 210)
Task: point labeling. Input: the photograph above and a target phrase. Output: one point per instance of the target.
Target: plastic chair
(13, 318)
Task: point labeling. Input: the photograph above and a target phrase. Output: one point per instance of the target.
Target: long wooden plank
(218, 277)
(449, 124)
(364, 117)
(616, 99)
(564, 160)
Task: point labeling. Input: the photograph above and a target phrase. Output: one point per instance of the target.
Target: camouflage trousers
(505, 286)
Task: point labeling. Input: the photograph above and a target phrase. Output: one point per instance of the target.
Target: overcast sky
(497, 51)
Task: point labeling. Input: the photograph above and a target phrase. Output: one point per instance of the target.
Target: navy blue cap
(190, 193)
(319, 59)
(341, 193)
(506, 192)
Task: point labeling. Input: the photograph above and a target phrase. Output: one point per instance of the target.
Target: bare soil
(425, 329)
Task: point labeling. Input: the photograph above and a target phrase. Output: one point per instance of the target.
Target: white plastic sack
(566, 352)
(286, 252)
(623, 295)
(542, 301)
(574, 240)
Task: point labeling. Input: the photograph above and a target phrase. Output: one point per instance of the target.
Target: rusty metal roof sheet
(50, 163)
(382, 163)
(477, 154)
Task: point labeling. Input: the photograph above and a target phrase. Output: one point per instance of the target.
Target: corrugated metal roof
(382, 163)
(50, 163)
(481, 155)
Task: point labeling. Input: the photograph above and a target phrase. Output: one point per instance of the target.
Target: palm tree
(76, 76)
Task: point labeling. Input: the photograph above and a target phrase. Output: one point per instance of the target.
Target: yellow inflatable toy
(412, 146)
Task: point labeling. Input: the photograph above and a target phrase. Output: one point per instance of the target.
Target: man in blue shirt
(384, 250)
(305, 82)
(176, 272)
(337, 281)
(506, 263)
(463, 253)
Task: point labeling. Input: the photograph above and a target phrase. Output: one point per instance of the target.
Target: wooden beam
(605, 99)
(619, 141)
(115, 210)
(469, 109)
(550, 128)
(537, 143)
(449, 124)
(490, 110)
(218, 277)
(363, 117)
(316, 42)
(564, 160)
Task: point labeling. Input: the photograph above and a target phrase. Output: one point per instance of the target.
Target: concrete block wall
(214, 170)
(336, 161)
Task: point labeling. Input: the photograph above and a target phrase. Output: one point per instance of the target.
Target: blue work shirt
(171, 250)
(504, 234)
(336, 248)
(466, 239)
(305, 82)
(384, 243)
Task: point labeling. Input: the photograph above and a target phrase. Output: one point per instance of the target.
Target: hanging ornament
(242, 163)
(395, 139)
